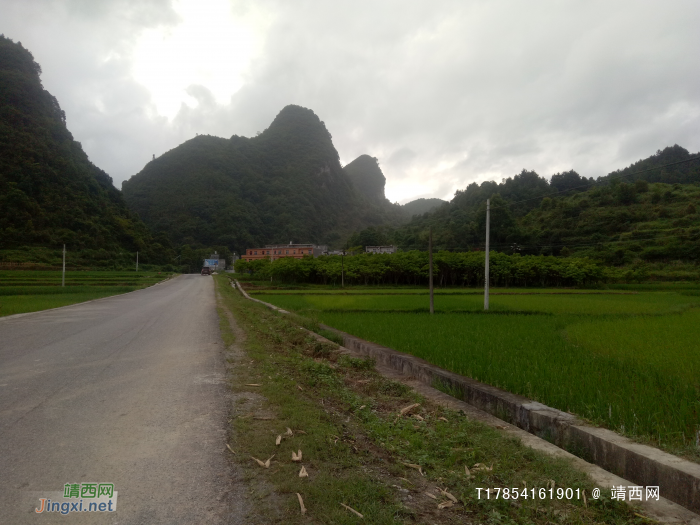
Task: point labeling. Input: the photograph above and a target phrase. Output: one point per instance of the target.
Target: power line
(550, 245)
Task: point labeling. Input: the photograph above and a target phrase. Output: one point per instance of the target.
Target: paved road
(127, 390)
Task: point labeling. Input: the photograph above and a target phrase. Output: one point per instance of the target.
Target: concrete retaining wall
(677, 479)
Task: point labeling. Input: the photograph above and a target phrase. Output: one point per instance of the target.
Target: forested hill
(50, 193)
(367, 177)
(421, 206)
(642, 212)
(286, 184)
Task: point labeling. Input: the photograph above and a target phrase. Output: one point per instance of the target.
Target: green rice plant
(19, 304)
(669, 344)
(23, 291)
(629, 362)
(591, 304)
(527, 355)
(57, 290)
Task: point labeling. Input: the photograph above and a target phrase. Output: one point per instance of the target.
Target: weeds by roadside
(371, 445)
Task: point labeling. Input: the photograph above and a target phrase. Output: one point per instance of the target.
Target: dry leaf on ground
(253, 384)
(301, 504)
(278, 440)
(352, 510)
(264, 464)
(229, 447)
(296, 457)
(406, 410)
(417, 467)
(443, 419)
(431, 495)
(303, 473)
(445, 505)
(289, 432)
(419, 418)
(466, 471)
(448, 495)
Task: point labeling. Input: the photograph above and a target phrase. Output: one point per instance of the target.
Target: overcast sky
(443, 93)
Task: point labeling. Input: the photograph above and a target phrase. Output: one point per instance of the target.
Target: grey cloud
(487, 87)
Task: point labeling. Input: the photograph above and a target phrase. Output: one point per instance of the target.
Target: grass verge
(359, 452)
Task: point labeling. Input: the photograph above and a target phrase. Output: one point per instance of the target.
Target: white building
(380, 249)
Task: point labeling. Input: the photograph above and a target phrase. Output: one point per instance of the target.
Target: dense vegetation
(463, 269)
(367, 177)
(50, 193)
(642, 213)
(421, 206)
(284, 184)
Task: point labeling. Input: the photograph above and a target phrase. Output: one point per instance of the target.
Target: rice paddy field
(624, 359)
(23, 291)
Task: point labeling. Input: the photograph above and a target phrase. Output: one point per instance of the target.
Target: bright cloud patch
(211, 47)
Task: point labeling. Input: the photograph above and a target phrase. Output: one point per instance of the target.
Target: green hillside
(50, 192)
(641, 213)
(286, 184)
(421, 206)
(367, 177)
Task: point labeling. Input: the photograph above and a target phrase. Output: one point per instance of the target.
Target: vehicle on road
(206, 271)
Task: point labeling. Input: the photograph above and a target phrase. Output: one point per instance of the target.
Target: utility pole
(63, 275)
(342, 269)
(137, 261)
(430, 265)
(486, 263)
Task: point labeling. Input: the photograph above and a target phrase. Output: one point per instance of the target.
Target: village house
(277, 251)
(380, 249)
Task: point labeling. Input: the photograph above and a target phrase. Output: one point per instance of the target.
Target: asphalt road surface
(126, 390)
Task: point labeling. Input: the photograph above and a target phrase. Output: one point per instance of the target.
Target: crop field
(30, 291)
(628, 361)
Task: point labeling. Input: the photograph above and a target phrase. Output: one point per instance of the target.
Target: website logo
(80, 497)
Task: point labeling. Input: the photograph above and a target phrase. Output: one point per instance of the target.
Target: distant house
(380, 249)
(278, 251)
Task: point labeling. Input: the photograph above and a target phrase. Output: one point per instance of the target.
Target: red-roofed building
(277, 251)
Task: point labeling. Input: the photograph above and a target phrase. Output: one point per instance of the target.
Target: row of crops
(24, 291)
(627, 361)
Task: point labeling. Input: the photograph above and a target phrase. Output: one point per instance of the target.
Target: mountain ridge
(284, 184)
(636, 213)
(50, 192)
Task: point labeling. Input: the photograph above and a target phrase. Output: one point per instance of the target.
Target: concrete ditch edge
(678, 479)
